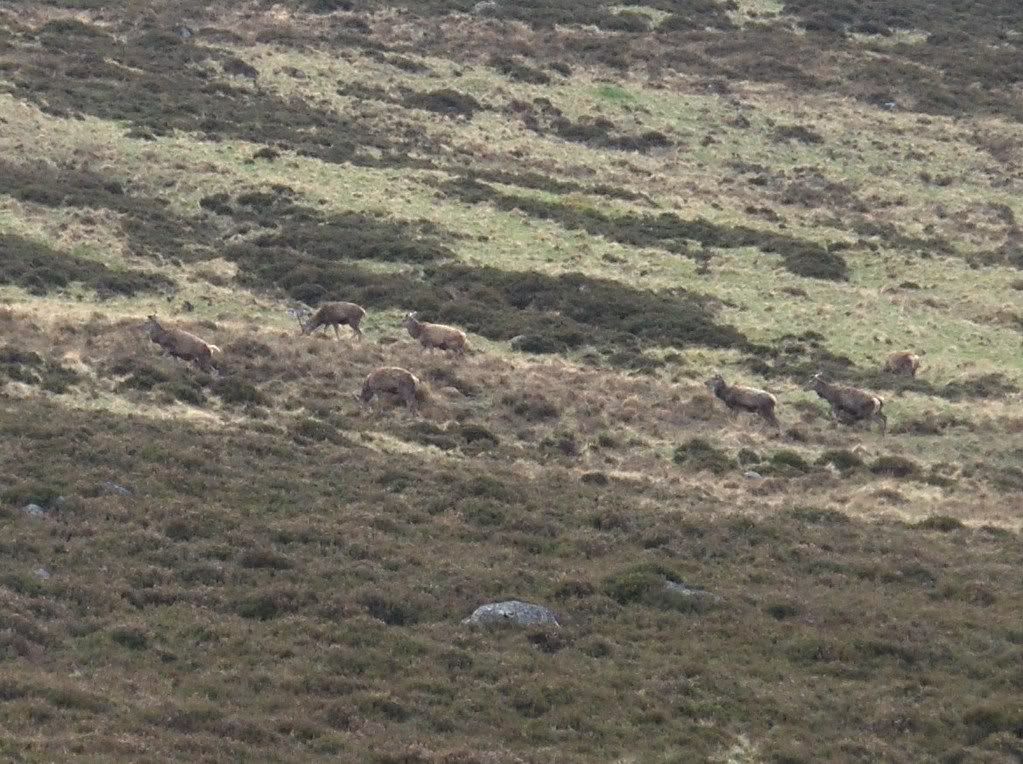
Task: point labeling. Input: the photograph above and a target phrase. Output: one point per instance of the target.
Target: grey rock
(112, 487)
(512, 612)
(752, 475)
(42, 573)
(686, 591)
(183, 32)
(33, 510)
(485, 8)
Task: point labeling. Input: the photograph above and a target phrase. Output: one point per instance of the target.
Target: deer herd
(848, 404)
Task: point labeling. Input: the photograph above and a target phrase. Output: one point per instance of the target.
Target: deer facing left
(333, 314)
(182, 344)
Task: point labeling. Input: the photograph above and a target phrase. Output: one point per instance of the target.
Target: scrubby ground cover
(615, 202)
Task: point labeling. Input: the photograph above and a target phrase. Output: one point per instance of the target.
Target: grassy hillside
(614, 202)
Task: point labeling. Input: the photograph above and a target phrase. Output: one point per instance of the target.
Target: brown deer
(848, 404)
(182, 344)
(740, 398)
(334, 314)
(435, 335)
(903, 363)
(394, 381)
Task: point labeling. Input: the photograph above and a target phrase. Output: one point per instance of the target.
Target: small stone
(512, 612)
(752, 475)
(685, 591)
(42, 573)
(33, 510)
(111, 487)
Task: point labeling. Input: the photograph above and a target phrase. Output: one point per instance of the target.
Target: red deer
(740, 398)
(848, 404)
(392, 380)
(435, 335)
(182, 344)
(334, 314)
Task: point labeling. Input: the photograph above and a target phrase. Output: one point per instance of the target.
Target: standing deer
(333, 314)
(740, 398)
(848, 404)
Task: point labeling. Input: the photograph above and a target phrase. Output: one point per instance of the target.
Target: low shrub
(842, 459)
(564, 443)
(533, 407)
(698, 455)
(895, 466)
(239, 392)
(446, 101)
(30, 368)
(41, 270)
(790, 460)
(942, 523)
(648, 584)
(519, 71)
(818, 516)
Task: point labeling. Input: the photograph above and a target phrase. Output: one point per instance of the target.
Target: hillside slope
(615, 202)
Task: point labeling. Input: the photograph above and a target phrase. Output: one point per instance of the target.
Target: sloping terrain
(615, 202)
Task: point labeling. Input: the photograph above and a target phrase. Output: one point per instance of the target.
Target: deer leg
(410, 401)
(337, 332)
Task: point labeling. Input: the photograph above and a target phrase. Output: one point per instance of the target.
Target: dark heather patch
(40, 270)
(664, 231)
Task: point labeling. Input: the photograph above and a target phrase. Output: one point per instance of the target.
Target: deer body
(335, 314)
(850, 404)
(392, 380)
(182, 344)
(741, 398)
(435, 335)
(903, 363)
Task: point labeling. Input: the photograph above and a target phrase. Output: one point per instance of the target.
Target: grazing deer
(333, 314)
(182, 344)
(395, 381)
